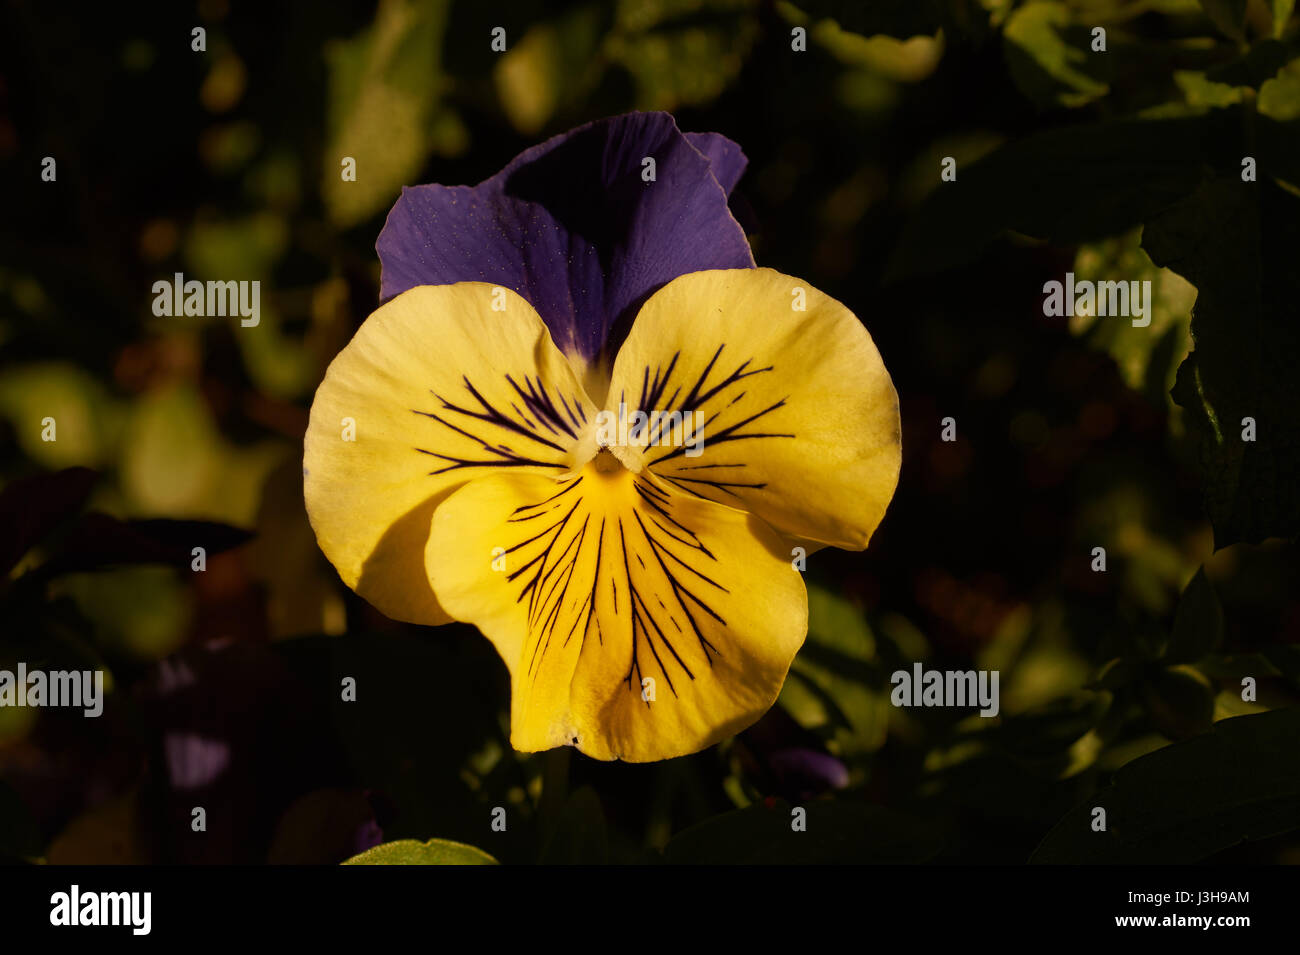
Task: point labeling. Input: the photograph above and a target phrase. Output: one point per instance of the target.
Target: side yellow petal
(638, 622)
(788, 411)
(440, 385)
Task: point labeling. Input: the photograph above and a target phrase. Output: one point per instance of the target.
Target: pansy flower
(586, 423)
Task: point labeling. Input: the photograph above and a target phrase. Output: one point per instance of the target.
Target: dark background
(1123, 164)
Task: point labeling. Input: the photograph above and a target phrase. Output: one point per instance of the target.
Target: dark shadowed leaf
(31, 507)
(1228, 16)
(1238, 243)
(580, 836)
(19, 835)
(837, 832)
(98, 540)
(424, 705)
(1253, 67)
(1279, 142)
(1073, 184)
(323, 827)
(1198, 622)
(110, 833)
(1286, 659)
(1179, 700)
(1191, 799)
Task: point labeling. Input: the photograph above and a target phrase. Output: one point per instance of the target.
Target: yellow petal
(437, 387)
(638, 622)
(795, 416)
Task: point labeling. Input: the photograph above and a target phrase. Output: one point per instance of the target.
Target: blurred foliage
(1120, 689)
(835, 687)
(384, 110)
(1146, 356)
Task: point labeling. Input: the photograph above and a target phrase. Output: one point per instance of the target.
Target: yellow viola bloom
(623, 532)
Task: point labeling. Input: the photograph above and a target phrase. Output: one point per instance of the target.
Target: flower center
(606, 463)
(608, 457)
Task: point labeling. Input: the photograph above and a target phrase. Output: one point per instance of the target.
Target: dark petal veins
(664, 572)
(572, 226)
(716, 398)
(480, 420)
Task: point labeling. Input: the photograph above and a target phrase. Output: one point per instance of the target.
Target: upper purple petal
(572, 226)
(726, 159)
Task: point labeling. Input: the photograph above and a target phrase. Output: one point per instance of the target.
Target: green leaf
(1238, 244)
(1050, 57)
(1147, 356)
(1189, 800)
(247, 247)
(835, 688)
(433, 852)
(1228, 16)
(1074, 184)
(385, 94)
(144, 611)
(1282, 10)
(1279, 97)
(681, 54)
(1200, 91)
(552, 67)
(172, 457)
(1286, 659)
(86, 418)
(836, 832)
(897, 18)
(1255, 66)
(176, 463)
(1198, 622)
(1179, 700)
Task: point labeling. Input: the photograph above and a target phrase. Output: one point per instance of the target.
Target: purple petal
(572, 227)
(726, 159)
(194, 761)
(808, 769)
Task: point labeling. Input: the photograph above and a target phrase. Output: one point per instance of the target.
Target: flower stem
(555, 790)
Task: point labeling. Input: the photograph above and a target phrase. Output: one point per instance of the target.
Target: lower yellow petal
(439, 385)
(638, 622)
